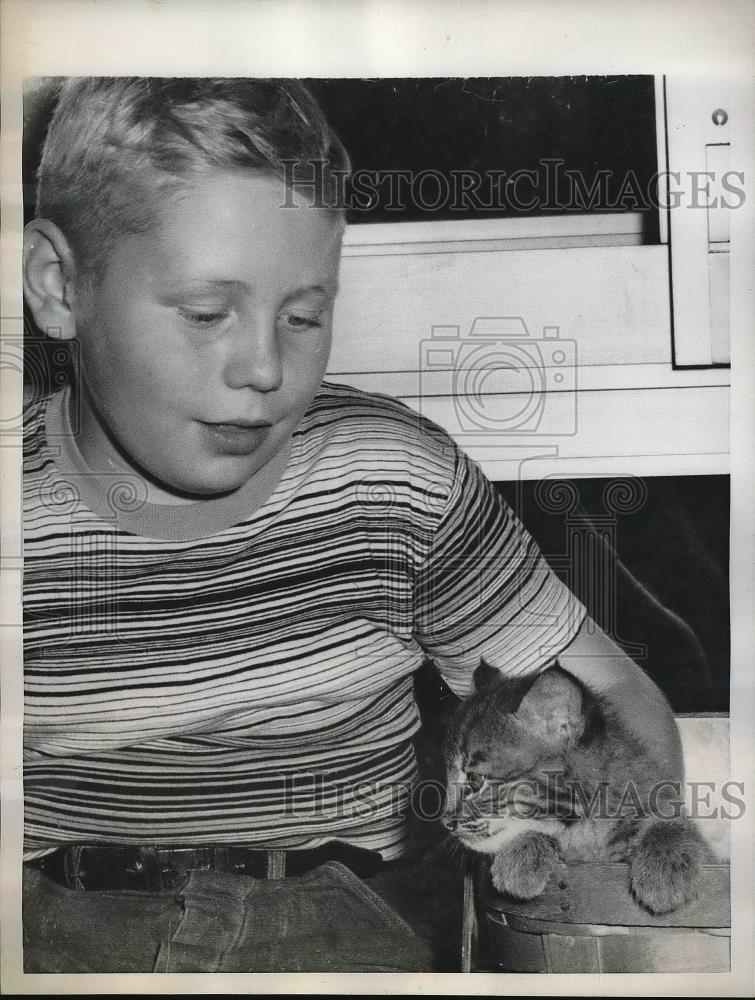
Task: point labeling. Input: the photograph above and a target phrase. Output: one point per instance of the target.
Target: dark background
(672, 576)
(496, 123)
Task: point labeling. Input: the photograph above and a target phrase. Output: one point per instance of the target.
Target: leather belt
(147, 868)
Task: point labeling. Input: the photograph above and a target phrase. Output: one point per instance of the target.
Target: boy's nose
(254, 361)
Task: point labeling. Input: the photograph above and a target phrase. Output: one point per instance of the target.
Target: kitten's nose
(450, 822)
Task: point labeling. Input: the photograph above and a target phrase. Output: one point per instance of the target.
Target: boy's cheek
(305, 351)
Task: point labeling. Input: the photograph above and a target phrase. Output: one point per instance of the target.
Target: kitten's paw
(523, 867)
(665, 871)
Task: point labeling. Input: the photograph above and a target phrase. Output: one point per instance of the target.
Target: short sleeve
(485, 591)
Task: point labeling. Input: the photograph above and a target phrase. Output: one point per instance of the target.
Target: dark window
(588, 142)
(649, 558)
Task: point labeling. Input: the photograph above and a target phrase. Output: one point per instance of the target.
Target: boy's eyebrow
(327, 289)
(243, 286)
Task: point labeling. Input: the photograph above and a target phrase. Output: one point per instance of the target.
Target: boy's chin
(206, 488)
(221, 480)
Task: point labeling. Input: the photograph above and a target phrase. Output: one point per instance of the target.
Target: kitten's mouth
(473, 830)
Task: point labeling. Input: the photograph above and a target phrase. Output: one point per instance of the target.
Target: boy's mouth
(237, 439)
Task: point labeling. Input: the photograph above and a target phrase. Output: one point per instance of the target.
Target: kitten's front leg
(666, 872)
(523, 866)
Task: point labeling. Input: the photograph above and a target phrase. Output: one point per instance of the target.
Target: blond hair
(114, 140)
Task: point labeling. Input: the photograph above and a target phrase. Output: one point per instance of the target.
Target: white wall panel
(612, 301)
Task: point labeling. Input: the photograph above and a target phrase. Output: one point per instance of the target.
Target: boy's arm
(595, 660)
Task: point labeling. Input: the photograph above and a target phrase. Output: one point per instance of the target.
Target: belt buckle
(197, 859)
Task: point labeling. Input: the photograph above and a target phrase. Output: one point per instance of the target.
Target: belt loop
(275, 864)
(72, 870)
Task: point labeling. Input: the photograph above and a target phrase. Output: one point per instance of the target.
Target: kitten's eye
(476, 781)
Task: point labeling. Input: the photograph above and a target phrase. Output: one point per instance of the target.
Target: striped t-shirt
(239, 670)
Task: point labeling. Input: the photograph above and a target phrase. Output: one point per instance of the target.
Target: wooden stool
(587, 921)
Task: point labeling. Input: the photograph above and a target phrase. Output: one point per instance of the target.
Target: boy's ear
(49, 272)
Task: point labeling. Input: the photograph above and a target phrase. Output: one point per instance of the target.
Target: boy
(232, 569)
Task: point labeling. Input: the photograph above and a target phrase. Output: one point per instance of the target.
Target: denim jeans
(327, 920)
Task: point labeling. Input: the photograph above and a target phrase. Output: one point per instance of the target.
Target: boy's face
(207, 337)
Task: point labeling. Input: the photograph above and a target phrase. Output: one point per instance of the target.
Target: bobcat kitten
(541, 771)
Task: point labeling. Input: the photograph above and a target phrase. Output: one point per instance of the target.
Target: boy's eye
(200, 317)
(298, 321)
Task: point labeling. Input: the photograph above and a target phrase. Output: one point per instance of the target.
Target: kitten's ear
(553, 706)
(486, 677)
